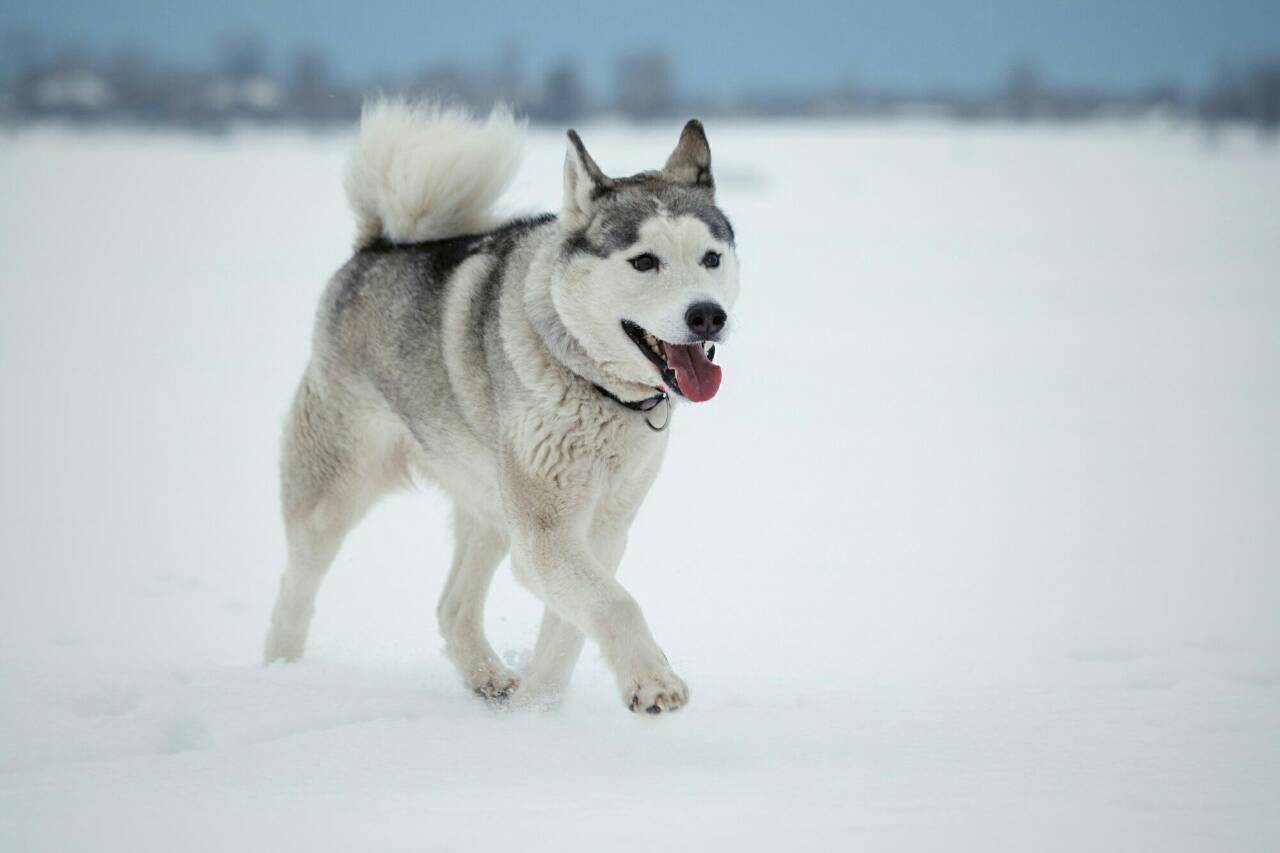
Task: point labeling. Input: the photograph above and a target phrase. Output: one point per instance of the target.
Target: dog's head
(647, 274)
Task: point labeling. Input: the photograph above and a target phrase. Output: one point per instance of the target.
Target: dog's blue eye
(644, 263)
(711, 260)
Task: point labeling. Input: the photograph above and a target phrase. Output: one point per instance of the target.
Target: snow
(994, 473)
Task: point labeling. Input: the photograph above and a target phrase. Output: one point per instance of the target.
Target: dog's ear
(690, 163)
(583, 184)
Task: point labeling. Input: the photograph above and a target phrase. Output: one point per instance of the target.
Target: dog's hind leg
(478, 550)
(554, 657)
(331, 473)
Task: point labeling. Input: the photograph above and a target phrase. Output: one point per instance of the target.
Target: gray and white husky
(527, 367)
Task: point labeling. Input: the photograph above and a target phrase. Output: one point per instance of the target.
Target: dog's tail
(427, 172)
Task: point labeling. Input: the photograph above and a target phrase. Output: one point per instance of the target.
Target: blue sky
(717, 46)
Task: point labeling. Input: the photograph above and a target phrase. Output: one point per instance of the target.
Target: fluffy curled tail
(428, 172)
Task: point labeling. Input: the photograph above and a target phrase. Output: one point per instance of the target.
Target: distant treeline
(242, 84)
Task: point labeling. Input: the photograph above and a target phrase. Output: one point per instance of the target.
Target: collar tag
(667, 420)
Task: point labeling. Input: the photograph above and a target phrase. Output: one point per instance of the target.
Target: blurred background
(206, 66)
(977, 548)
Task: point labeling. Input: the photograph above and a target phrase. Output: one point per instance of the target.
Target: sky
(717, 47)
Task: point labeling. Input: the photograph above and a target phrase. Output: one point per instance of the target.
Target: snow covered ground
(995, 472)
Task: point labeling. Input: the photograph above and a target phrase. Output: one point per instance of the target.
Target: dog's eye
(644, 263)
(711, 260)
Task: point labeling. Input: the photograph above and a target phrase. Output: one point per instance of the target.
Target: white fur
(428, 172)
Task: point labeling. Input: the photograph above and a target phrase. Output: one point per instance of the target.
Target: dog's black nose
(705, 319)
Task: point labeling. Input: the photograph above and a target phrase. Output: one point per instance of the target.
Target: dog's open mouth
(686, 368)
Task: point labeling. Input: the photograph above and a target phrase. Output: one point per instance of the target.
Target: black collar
(648, 404)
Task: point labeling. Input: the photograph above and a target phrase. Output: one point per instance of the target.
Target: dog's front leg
(559, 643)
(551, 556)
(561, 571)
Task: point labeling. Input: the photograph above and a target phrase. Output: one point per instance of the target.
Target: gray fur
(631, 201)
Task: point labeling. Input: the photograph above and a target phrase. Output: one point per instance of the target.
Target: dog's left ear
(690, 163)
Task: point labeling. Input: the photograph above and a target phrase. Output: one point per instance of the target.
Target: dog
(529, 367)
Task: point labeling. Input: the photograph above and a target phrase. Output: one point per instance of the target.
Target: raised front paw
(653, 694)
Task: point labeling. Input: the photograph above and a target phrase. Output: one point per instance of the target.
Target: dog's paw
(493, 682)
(656, 694)
(497, 690)
(284, 646)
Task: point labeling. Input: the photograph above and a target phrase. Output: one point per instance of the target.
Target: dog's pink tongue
(698, 378)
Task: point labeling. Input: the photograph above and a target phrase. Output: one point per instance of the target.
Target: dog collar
(648, 404)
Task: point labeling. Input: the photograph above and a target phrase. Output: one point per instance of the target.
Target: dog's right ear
(583, 184)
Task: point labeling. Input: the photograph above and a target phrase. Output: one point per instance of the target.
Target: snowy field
(994, 475)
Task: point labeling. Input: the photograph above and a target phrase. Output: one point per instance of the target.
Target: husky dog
(527, 367)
